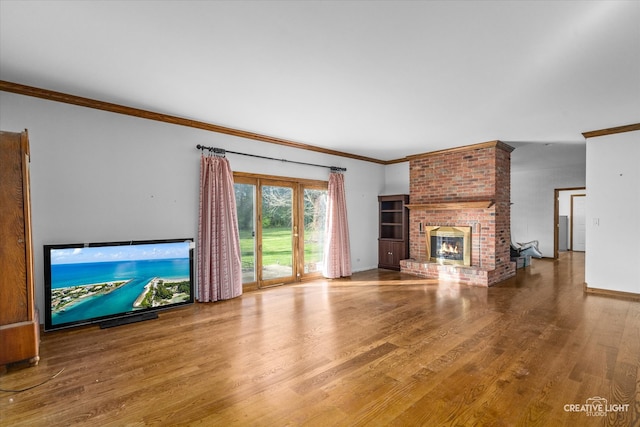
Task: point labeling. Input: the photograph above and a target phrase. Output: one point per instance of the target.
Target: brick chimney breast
(447, 180)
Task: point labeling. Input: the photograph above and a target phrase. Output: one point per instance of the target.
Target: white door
(578, 222)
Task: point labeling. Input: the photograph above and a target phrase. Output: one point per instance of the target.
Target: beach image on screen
(95, 282)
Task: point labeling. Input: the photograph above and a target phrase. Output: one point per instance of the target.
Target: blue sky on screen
(120, 253)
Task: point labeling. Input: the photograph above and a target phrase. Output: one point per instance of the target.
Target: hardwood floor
(381, 348)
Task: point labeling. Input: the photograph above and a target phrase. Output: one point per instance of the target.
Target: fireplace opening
(449, 245)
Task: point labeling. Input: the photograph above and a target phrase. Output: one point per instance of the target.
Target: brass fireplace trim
(466, 231)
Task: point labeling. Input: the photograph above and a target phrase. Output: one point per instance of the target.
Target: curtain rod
(222, 152)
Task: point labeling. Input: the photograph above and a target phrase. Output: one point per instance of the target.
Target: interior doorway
(564, 220)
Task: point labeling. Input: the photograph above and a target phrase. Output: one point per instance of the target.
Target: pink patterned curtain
(337, 250)
(219, 263)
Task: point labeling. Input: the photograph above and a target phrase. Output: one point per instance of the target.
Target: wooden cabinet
(19, 325)
(393, 237)
(390, 253)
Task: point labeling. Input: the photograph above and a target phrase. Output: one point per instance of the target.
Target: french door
(281, 223)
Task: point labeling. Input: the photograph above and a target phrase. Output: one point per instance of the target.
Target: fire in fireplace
(449, 245)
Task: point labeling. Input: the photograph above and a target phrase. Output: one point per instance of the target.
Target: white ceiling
(382, 79)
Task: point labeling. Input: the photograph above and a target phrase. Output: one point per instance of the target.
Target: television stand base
(128, 319)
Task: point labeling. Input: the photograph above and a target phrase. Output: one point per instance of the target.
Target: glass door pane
(277, 234)
(246, 211)
(315, 208)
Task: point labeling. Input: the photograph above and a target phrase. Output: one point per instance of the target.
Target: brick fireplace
(462, 187)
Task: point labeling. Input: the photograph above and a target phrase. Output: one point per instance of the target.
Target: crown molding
(489, 144)
(611, 131)
(166, 118)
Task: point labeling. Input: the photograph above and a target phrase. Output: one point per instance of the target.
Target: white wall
(99, 176)
(536, 171)
(613, 212)
(397, 179)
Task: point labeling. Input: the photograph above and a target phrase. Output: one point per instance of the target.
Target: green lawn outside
(276, 247)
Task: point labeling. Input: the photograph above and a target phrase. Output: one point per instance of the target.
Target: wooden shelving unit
(393, 237)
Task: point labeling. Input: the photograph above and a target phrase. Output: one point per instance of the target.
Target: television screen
(117, 282)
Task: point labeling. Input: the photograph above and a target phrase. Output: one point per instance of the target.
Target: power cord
(33, 386)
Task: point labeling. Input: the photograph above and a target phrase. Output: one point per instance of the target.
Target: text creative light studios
(596, 407)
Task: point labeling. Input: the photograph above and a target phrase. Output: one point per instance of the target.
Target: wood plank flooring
(381, 348)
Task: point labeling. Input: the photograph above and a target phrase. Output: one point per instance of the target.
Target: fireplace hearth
(449, 245)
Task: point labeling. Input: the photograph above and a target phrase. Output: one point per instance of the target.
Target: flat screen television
(114, 283)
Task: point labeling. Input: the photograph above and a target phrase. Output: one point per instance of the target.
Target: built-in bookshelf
(393, 238)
